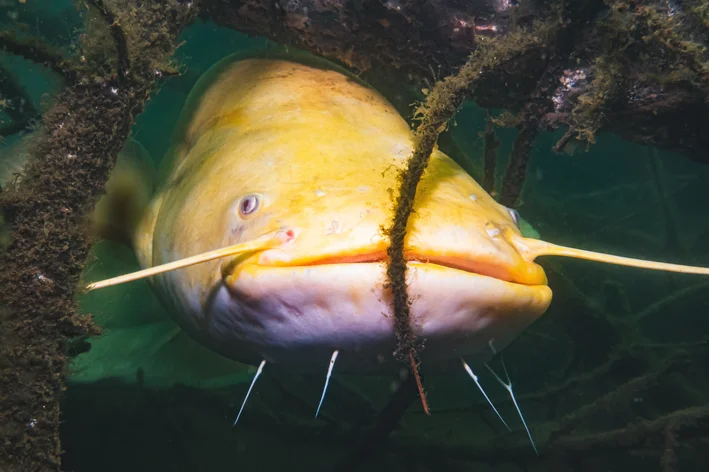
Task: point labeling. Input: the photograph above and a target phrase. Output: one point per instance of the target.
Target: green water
(147, 397)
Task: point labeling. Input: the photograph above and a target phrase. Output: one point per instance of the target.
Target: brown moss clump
(665, 28)
(640, 43)
(588, 114)
(700, 9)
(45, 214)
(441, 104)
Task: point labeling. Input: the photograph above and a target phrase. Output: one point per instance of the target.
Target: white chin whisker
(256, 376)
(327, 379)
(508, 387)
(475, 379)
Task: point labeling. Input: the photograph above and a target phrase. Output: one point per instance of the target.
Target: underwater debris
(37, 50)
(516, 171)
(656, 47)
(85, 128)
(15, 102)
(374, 439)
(440, 106)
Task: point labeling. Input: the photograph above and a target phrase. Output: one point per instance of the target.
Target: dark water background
(146, 397)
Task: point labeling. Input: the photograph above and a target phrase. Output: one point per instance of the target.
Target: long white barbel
(262, 243)
(253, 382)
(530, 249)
(327, 379)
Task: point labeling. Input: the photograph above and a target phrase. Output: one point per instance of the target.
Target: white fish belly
(297, 316)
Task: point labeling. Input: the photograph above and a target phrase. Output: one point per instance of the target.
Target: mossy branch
(516, 171)
(119, 37)
(641, 436)
(15, 101)
(37, 50)
(441, 105)
(48, 245)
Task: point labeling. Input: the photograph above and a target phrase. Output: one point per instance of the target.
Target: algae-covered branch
(106, 87)
(635, 68)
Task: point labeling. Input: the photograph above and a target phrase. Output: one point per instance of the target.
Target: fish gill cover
(633, 68)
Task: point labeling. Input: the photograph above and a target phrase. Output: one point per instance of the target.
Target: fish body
(268, 144)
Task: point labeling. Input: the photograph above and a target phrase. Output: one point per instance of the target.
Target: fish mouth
(528, 274)
(299, 311)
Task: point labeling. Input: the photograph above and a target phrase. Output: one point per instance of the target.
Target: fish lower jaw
(298, 316)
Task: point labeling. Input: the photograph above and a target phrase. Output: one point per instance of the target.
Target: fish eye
(515, 216)
(249, 204)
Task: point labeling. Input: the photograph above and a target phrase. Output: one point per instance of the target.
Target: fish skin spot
(237, 232)
(334, 227)
(492, 230)
(319, 193)
(473, 197)
(292, 310)
(401, 150)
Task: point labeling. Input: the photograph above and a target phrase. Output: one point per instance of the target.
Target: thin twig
(37, 50)
(441, 105)
(490, 156)
(643, 435)
(516, 172)
(18, 104)
(386, 421)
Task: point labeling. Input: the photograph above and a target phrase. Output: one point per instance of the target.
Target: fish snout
(480, 247)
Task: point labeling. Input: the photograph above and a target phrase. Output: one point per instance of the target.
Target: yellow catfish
(265, 238)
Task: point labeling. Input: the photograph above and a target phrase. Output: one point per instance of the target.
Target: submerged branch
(632, 68)
(117, 34)
(16, 103)
(37, 50)
(374, 440)
(440, 106)
(642, 436)
(490, 157)
(46, 213)
(516, 172)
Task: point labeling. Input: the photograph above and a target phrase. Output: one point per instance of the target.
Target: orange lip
(522, 277)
